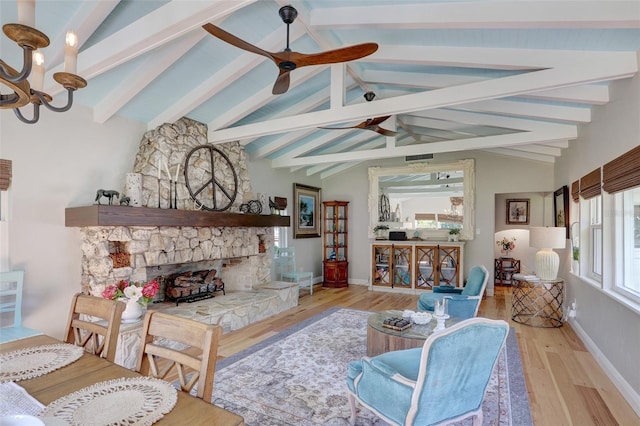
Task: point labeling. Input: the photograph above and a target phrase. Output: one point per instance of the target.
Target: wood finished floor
(565, 384)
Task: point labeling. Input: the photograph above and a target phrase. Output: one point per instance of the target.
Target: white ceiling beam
(307, 104)
(491, 58)
(474, 118)
(84, 22)
(354, 138)
(593, 94)
(520, 154)
(557, 144)
(338, 89)
(433, 147)
(504, 14)
(142, 76)
(338, 169)
(164, 24)
(220, 79)
(550, 112)
(537, 149)
(259, 99)
(616, 66)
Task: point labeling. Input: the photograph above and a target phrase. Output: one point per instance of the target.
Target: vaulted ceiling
(511, 77)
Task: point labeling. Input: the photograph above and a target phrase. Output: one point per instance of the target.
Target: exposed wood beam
(592, 94)
(259, 99)
(520, 154)
(433, 147)
(615, 66)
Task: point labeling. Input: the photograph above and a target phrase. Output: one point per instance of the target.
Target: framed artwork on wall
(306, 211)
(518, 211)
(561, 209)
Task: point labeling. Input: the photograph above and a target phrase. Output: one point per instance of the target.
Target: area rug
(298, 377)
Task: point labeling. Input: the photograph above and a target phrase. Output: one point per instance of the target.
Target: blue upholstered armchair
(442, 382)
(463, 302)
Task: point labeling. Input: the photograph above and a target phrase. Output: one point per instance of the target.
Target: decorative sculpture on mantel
(109, 193)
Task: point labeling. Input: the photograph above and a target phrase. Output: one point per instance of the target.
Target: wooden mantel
(102, 215)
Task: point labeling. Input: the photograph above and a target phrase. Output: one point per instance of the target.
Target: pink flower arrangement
(506, 244)
(143, 293)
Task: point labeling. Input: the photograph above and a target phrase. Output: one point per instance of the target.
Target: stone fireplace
(127, 251)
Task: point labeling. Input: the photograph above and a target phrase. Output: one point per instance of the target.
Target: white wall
(279, 183)
(59, 162)
(610, 328)
(495, 174)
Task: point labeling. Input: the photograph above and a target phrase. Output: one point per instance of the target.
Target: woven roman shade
(623, 172)
(5, 174)
(425, 216)
(590, 184)
(575, 191)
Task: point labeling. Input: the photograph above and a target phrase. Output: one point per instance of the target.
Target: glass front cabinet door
(437, 265)
(392, 265)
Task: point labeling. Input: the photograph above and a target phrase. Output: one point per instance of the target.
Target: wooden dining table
(91, 369)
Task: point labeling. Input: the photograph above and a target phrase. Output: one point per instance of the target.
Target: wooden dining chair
(162, 351)
(94, 324)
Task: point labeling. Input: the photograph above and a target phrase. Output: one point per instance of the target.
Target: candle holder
(159, 196)
(175, 194)
(170, 194)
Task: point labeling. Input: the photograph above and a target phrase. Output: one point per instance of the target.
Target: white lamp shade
(547, 237)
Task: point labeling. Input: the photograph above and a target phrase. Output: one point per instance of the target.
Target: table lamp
(546, 239)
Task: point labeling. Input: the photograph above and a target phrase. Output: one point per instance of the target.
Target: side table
(537, 303)
(505, 267)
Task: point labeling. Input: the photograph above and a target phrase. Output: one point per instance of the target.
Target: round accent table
(381, 339)
(537, 303)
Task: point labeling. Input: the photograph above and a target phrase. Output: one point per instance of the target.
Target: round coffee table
(381, 339)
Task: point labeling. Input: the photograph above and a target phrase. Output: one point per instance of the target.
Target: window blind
(5, 174)
(590, 184)
(623, 172)
(575, 191)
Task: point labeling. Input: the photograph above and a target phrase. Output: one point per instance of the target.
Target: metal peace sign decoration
(210, 178)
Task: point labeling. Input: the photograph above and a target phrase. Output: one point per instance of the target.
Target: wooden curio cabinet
(437, 265)
(335, 243)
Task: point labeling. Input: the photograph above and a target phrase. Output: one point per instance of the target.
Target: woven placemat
(125, 401)
(32, 362)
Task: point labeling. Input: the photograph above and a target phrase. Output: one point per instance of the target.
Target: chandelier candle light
(25, 91)
(546, 239)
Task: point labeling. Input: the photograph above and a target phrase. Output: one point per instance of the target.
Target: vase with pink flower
(506, 245)
(136, 296)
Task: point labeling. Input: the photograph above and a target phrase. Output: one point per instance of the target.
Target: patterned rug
(298, 377)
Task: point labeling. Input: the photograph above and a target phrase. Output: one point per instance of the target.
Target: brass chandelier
(30, 91)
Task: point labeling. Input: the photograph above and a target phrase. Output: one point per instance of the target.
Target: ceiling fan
(288, 60)
(372, 124)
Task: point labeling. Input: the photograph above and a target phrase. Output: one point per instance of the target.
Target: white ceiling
(510, 77)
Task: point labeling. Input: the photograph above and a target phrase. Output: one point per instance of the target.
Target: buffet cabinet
(415, 265)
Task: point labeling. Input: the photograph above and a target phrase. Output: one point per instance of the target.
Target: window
(627, 243)
(280, 235)
(595, 237)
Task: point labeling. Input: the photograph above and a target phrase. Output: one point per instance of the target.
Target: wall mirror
(430, 198)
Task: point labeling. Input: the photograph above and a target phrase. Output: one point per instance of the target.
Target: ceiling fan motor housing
(288, 14)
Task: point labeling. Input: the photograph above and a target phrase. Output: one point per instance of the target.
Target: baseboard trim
(628, 393)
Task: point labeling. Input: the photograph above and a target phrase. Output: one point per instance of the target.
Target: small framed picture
(306, 211)
(561, 208)
(518, 211)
